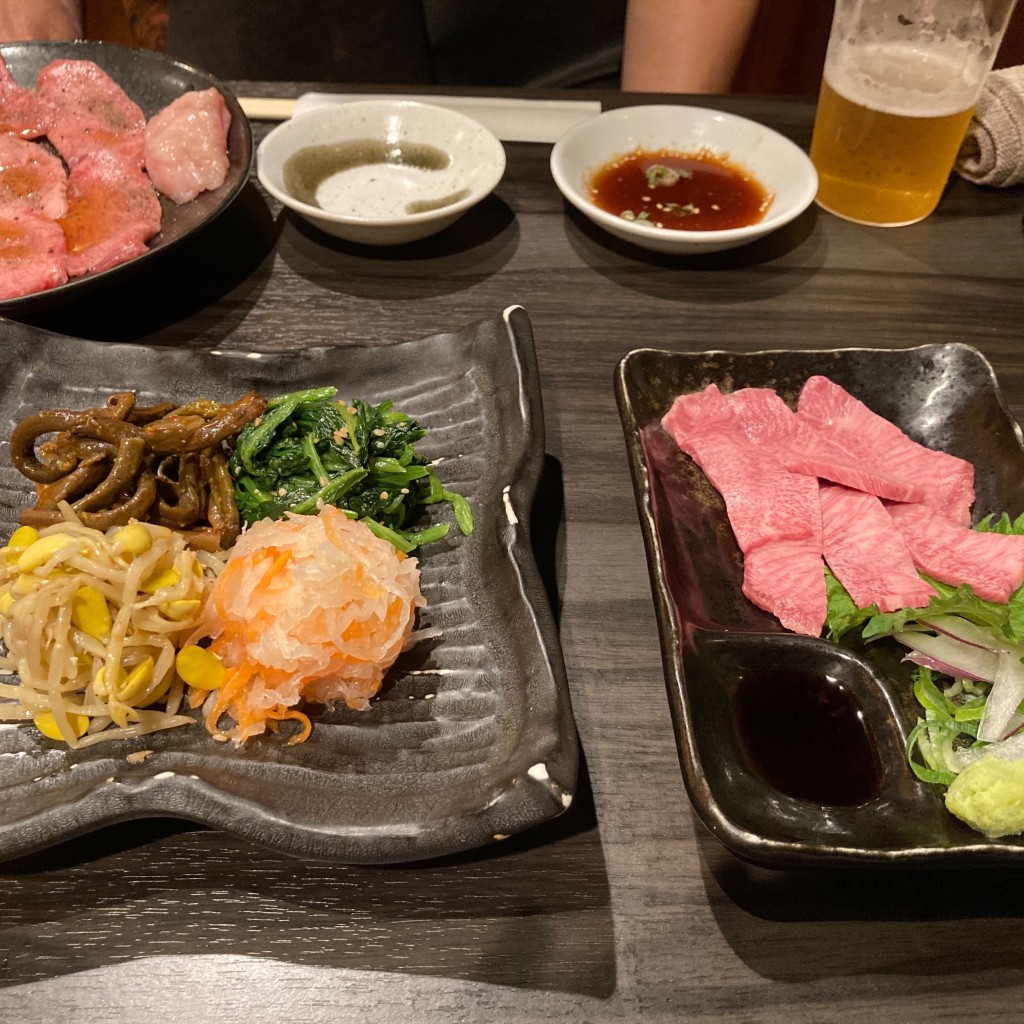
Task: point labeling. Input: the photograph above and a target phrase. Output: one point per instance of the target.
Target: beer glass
(901, 80)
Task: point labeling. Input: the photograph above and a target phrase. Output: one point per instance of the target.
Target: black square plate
(712, 637)
(472, 737)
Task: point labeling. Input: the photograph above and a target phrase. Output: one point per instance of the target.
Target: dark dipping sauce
(308, 168)
(805, 734)
(679, 191)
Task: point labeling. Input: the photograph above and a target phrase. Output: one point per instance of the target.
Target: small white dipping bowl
(778, 164)
(369, 203)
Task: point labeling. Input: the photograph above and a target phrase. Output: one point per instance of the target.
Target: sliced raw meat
(22, 112)
(804, 446)
(31, 178)
(765, 502)
(774, 514)
(32, 254)
(949, 481)
(112, 213)
(90, 113)
(186, 146)
(867, 553)
(992, 563)
(787, 578)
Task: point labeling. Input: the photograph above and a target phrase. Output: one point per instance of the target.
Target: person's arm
(689, 46)
(40, 19)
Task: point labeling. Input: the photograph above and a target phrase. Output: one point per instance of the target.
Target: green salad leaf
(308, 450)
(842, 614)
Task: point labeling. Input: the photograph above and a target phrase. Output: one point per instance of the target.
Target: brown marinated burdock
(161, 464)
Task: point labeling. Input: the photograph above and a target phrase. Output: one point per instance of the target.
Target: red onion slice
(960, 659)
(940, 666)
(970, 633)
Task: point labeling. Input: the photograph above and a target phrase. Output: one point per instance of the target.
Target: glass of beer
(901, 80)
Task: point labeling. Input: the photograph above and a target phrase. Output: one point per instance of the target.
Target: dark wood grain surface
(624, 909)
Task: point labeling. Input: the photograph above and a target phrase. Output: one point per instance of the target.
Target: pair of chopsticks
(510, 119)
(260, 108)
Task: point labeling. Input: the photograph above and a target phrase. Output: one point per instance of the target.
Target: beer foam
(909, 79)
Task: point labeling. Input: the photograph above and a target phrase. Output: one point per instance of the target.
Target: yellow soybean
(199, 667)
(47, 725)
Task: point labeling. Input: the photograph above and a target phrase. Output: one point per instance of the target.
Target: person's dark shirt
(459, 42)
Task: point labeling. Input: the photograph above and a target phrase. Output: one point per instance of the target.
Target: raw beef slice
(32, 253)
(948, 481)
(90, 113)
(787, 578)
(764, 501)
(22, 112)
(112, 213)
(992, 563)
(31, 178)
(186, 145)
(774, 514)
(867, 553)
(804, 446)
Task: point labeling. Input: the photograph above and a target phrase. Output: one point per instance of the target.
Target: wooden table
(625, 908)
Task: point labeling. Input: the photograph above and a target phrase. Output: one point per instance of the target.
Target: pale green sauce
(308, 168)
(423, 205)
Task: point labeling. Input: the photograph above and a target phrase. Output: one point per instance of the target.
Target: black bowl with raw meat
(152, 80)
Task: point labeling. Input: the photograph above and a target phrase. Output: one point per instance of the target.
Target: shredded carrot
(308, 608)
(282, 714)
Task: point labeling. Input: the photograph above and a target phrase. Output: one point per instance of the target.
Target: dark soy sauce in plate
(679, 191)
(805, 734)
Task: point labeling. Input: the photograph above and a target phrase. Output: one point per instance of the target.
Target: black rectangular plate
(472, 737)
(944, 396)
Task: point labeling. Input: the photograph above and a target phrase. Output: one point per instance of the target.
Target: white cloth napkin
(993, 149)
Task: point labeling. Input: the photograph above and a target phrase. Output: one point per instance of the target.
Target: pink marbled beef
(89, 113)
(775, 514)
(948, 481)
(22, 112)
(867, 553)
(765, 502)
(32, 253)
(992, 563)
(787, 578)
(803, 445)
(31, 178)
(186, 149)
(112, 212)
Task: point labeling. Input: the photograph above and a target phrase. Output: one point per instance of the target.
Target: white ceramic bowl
(370, 203)
(778, 164)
